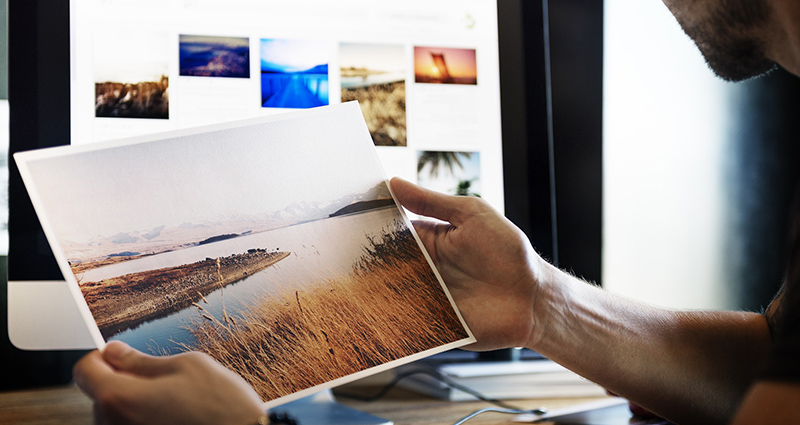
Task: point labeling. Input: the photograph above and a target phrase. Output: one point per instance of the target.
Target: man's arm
(690, 367)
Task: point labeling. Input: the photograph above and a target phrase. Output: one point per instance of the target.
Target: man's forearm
(691, 367)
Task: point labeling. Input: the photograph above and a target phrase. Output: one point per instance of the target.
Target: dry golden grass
(146, 99)
(390, 306)
(384, 109)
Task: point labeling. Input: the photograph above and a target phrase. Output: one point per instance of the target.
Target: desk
(68, 406)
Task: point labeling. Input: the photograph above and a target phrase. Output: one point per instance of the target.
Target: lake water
(324, 247)
(294, 90)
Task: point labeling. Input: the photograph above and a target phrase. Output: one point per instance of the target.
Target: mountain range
(164, 238)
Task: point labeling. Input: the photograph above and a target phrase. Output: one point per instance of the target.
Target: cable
(504, 407)
(538, 411)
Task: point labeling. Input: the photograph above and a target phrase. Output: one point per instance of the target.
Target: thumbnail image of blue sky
(294, 73)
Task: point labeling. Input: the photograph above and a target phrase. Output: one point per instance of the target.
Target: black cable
(447, 381)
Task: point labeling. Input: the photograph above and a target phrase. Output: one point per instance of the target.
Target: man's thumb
(125, 358)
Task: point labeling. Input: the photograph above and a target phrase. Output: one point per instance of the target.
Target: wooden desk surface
(69, 406)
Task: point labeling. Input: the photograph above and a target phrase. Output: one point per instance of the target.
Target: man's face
(731, 34)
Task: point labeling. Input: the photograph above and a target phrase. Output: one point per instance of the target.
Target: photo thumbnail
(212, 56)
(444, 65)
(294, 73)
(455, 173)
(131, 76)
(374, 75)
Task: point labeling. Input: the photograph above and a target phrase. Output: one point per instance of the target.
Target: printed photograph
(131, 76)
(212, 56)
(375, 76)
(291, 269)
(442, 65)
(294, 73)
(455, 173)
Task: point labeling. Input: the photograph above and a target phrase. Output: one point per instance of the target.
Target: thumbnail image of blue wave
(294, 73)
(210, 56)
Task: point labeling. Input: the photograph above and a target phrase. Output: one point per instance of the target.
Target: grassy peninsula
(127, 301)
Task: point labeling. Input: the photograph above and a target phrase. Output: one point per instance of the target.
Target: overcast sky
(250, 170)
(382, 57)
(132, 59)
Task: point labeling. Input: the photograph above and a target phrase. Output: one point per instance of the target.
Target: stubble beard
(732, 38)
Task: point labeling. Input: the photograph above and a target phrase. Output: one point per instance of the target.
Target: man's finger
(127, 359)
(92, 373)
(429, 203)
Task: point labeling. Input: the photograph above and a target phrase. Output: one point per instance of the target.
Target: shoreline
(127, 301)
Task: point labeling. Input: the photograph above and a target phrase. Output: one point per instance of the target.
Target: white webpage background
(440, 117)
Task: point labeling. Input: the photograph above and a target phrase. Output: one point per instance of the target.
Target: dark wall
(762, 172)
(3, 50)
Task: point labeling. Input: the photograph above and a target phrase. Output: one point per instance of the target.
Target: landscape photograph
(374, 75)
(294, 73)
(454, 173)
(131, 76)
(214, 56)
(445, 65)
(290, 268)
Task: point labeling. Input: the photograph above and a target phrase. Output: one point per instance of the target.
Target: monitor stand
(42, 315)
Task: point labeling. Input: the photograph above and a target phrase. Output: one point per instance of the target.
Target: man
(690, 367)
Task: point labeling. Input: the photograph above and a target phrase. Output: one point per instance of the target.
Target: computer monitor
(440, 83)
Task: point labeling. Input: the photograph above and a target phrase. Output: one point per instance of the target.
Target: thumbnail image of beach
(131, 76)
(212, 56)
(455, 173)
(294, 73)
(374, 75)
(290, 268)
(445, 65)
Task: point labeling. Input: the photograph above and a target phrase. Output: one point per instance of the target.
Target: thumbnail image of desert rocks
(147, 99)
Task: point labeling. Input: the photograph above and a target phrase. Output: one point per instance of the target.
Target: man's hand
(487, 263)
(129, 387)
